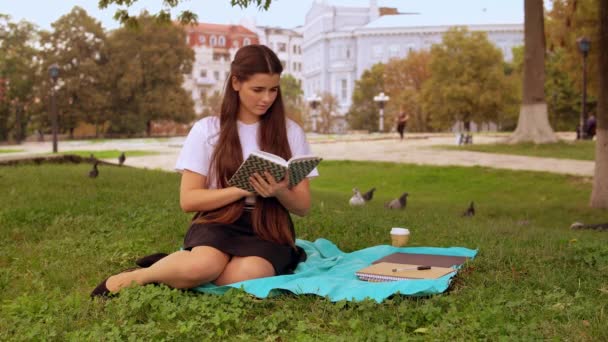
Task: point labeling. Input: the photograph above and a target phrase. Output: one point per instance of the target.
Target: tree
(599, 194)
(213, 103)
(147, 66)
(403, 80)
(291, 91)
(467, 81)
(165, 14)
(77, 45)
(363, 112)
(327, 108)
(18, 65)
(533, 124)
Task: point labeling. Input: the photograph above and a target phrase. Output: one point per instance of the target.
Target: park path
(416, 149)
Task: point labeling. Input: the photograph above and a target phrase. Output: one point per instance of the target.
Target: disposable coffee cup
(399, 236)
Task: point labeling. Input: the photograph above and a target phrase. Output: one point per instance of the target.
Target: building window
(347, 53)
(213, 40)
(294, 66)
(226, 74)
(377, 51)
(283, 64)
(203, 73)
(235, 43)
(246, 41)
(295, 49)
(393, 51)
(216, 75)
(201, 39)
(343, 90)
(282, 47)
(222, 41)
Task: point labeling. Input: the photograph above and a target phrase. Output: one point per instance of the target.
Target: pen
(417, 268)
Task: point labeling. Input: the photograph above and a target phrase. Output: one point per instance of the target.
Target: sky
(282, 13)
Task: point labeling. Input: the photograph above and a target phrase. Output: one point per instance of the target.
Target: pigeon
(121, 159)
(598, 227)
(368, 195)
(356, 199)
(397, 203)
(94, 172)
(470, 210)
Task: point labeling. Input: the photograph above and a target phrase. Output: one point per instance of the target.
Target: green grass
(61, 233)
(106, 154)
(10, 150)
(581, 150)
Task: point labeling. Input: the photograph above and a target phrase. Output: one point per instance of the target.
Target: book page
(271, 157)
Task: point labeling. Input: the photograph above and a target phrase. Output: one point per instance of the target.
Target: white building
(340, 43)
(214, 47)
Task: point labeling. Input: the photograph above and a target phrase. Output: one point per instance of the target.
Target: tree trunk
(533, 123)
(599, 194)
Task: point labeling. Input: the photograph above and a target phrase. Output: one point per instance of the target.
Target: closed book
(259, 161)
(424, 259)
(388, 271)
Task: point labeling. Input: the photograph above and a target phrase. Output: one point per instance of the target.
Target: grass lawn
(9, 150)
(61, 233)
(582, 150)
(106, 154)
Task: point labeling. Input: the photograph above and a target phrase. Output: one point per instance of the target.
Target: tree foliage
(18, 65)
(467, 81)
(146, 67)
(78, 46)
(291, 92)
(326, 111)
(164, 15)
(363, 112)
(403, 81)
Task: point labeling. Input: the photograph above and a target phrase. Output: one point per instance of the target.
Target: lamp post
(381, 99)
(54, 74)
(584, 45)
(314, 102)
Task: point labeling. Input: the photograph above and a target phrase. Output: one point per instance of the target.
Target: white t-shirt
(198, 148)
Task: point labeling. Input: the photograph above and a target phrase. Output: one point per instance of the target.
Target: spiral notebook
(388, 271)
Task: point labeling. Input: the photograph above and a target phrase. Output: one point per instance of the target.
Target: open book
(388, 271)
(259, 161)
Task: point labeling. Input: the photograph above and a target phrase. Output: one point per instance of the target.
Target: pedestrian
(402, 122)
(234, 235)
(591, 127)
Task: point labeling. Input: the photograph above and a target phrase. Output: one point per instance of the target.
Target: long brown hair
(270, 219)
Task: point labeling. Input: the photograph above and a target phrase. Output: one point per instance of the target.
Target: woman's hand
(267, 186)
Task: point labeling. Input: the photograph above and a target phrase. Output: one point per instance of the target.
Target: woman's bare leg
(245, 268)
(181, 270)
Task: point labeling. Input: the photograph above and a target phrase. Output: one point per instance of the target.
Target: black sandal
(102, 290)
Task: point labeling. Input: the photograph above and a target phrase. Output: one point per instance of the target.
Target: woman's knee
(203, 267)
(245, 268)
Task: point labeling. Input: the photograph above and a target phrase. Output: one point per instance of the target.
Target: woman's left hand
(267, 186)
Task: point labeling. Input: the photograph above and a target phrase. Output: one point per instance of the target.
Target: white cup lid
(400, 231)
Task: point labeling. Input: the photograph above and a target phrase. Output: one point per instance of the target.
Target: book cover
(388, 271)
(423, 259)
(259, 161)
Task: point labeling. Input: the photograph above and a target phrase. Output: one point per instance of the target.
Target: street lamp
(314, 102)
(381, 99)
(54, 74)
(584, 45)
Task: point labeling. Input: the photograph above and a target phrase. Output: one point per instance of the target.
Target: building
(214, 46)
(340, 43)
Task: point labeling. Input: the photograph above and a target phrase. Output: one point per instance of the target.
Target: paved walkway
(415, 149)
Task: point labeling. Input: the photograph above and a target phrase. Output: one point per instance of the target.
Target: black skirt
(239, 239)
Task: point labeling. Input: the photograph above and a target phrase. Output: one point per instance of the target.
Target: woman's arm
(296, 199)
(194, 196)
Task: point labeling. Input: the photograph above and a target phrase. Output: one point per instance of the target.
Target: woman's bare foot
(122, 280)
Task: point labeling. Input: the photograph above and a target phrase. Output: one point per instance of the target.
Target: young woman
(235, 235)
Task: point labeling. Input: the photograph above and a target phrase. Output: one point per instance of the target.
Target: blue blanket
(329, 272)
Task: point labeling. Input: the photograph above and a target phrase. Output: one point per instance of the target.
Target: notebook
(388, 271)
(424, 259)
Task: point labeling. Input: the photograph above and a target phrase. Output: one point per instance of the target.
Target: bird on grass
(397, 203)
(368, 195)
(470, 210)
(356, 199)
(598, 226)
(94, 172)
(121, 159)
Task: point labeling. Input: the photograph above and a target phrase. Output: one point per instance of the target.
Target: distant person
(591, 126)
(402, 123)
(236, 235)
